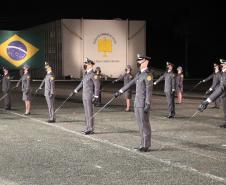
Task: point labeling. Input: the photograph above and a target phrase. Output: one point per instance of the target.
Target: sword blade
(94, 115)
(63, 103)
(193, 115)
(3, 97)
(195, 86)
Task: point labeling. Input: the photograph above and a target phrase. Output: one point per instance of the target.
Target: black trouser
(171, 104)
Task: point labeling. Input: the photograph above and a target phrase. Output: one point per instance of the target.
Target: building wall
(136, 41)
(72, 47)
(111, 43)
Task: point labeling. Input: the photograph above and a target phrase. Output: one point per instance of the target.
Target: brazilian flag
(20, 47)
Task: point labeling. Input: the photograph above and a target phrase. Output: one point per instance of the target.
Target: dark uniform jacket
(90, 85)
(144, 83)
(179, 82)
(221, 90)
(170, 82)
(49, 81)
(216, 80)
(6, 84)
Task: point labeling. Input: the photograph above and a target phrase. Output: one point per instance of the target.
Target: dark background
(189, 34)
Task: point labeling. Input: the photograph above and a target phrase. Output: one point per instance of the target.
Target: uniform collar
(169, 71)
(142, 70)
(89, 70)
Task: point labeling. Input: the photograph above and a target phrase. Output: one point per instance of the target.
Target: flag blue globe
(16, 50)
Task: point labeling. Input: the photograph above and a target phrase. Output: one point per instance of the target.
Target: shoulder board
(95, 77)
(149, 76)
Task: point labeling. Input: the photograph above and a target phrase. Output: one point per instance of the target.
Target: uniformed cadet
(91, 88)
(215, 85)
(100, 76)
(6, 85)
(49, 92)
(210, 76)
(169, 88)
(179, 84)
(127, 77)
(144, 83)
(26, 88)
(220, 91)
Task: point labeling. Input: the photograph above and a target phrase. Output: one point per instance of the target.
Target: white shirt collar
(142, 70)
(88, 70)
(169, 71)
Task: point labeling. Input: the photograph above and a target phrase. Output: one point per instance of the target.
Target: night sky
(171, 27)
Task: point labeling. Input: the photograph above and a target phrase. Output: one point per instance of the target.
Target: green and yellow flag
(18, 48)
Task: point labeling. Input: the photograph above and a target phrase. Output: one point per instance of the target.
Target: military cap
(4, 68)
(169, 63)
(215, 65)
(47, 66)
(141, 57)
(222, 61)
(26, 66)
(179, 68)
(88, 61)
(98, 68)
(128, 67)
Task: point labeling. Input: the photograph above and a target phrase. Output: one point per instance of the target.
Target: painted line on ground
(166, 162)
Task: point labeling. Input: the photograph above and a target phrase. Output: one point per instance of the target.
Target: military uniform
(99, 76)
(169, 90)
(220, 91)
(91, 88)
(6, 85)
(179, 82)
(208, 78)
(127, 77)
(49, 94)
(26, 86)
(144, 83)
(215, 84)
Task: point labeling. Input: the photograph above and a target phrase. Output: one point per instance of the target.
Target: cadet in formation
(6, 86)
(179, 84)
(215, 84)
(127, 77)
(91, 88)
(49, 92)
(26, 88)
(169, 88)
(144, 83)
(100, 76)
(220, 91)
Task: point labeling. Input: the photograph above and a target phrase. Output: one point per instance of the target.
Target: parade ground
(184, 151)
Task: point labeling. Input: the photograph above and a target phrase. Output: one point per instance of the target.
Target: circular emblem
(149, 77)
(16, 50)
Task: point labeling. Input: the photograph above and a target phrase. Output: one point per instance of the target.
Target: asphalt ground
(183, 151)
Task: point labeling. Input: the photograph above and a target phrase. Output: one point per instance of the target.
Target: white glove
(75, 91)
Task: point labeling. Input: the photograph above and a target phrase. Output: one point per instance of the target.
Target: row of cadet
(91, 91)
